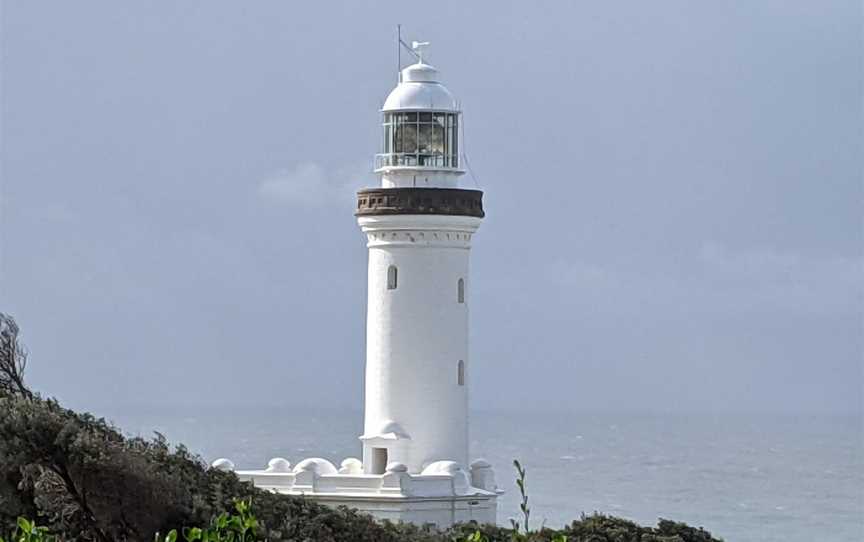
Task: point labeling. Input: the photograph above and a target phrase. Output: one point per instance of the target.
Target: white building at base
(419, 225)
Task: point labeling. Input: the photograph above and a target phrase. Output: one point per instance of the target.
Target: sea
(743, 477)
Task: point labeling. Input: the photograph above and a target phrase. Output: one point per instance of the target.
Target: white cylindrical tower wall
(417, 361)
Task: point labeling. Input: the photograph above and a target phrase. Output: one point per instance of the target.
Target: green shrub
(240, 527)
(85, 481)
(28, 531)
(82, 478)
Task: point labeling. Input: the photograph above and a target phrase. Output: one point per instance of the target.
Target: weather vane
(419, 47)
(416, 49)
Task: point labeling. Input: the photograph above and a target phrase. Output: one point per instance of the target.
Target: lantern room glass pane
(397, 138)
(409, 138)
(450, 144)
(436, 143)
(454, 149)
(419, 138)
(424, 141)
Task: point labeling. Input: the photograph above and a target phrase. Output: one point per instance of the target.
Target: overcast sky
(673, 194)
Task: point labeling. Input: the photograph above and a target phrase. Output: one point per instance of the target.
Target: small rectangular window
(392, 277)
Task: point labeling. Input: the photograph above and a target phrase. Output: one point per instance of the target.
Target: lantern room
(420, 132)
(420, 138)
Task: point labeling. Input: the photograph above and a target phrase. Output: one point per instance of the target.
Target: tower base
(439, 511)
(443, 494)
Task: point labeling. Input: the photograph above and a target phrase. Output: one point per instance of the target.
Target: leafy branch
(239, 527)
(28, 531)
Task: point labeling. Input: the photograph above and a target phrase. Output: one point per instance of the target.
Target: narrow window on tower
(391, 277)
(460, 294)
(460, 377)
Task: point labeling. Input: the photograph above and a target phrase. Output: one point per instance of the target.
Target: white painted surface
(416, 335)
(395, 495)
(416, 176)
(420, 90)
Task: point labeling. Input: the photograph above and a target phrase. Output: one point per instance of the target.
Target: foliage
(241, 527)
(590, 528)
(523, 504)
(28, 531)
(85, 481)
(601, 528)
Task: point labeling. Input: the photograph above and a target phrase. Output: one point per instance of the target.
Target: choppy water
(745, 478)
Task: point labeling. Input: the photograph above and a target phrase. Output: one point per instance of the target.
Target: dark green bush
(82, 480)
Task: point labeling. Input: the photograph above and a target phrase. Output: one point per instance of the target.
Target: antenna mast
(413, 49)
(398, 53)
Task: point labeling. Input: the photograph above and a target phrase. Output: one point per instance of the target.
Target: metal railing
(417, 159)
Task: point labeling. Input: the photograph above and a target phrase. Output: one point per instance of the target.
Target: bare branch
(13, 359)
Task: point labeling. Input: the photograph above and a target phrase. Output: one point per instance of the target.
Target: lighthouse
(418, 225)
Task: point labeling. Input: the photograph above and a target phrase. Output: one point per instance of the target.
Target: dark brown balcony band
(419, 201)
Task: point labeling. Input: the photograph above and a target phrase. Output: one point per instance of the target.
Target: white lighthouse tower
(419, 224)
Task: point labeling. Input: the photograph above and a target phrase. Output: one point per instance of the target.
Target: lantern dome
(421, 131)
(420, 89)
